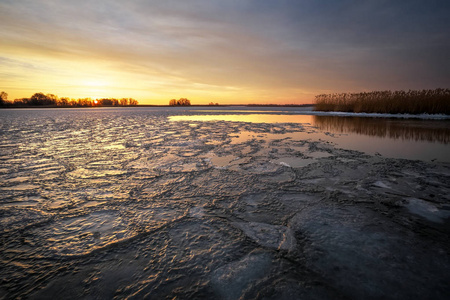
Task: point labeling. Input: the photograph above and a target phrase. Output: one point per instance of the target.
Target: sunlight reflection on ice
(252, 118)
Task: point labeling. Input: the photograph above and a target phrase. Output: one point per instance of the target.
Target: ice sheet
(125, 203)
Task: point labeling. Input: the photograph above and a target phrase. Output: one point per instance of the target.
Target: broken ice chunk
(426, 210)
(270, 236)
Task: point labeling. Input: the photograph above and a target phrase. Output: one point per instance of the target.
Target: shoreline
(155, 105)
(230, 109)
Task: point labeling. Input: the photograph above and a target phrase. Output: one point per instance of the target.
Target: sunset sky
(227, 51)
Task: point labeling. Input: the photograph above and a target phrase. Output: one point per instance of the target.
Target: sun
(95, 102)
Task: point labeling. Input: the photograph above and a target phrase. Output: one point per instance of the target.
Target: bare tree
(180, 102)
(183, 102)
(123, 101)
(64, 101)
(3, 98)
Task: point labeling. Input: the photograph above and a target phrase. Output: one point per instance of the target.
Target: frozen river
(172, 203)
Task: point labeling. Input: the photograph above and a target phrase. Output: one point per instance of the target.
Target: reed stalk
(397, 102)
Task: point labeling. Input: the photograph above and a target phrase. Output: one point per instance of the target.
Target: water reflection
(397, 138)
(250, 118)
(417, 130)
(410, 129)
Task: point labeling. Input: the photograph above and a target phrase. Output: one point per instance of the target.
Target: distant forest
(51, 100)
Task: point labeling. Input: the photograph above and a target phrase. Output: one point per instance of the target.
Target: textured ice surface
(271, 236)
(124, 203)
(427, 210)
(232, 280)
(83, 234)
(365, 255)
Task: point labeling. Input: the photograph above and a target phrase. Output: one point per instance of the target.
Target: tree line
(41, 99)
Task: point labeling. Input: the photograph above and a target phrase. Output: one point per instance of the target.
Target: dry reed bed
(398, 102)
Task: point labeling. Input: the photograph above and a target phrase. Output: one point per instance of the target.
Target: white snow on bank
(376, 115)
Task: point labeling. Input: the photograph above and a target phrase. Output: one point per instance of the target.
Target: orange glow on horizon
(96, 79)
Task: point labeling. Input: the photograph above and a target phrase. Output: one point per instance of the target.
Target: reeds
(398, 102)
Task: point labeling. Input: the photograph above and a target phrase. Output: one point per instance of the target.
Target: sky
(229, 52)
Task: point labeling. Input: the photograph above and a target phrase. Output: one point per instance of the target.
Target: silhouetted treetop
(180, 102)
(41, 99)
(3, 98)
